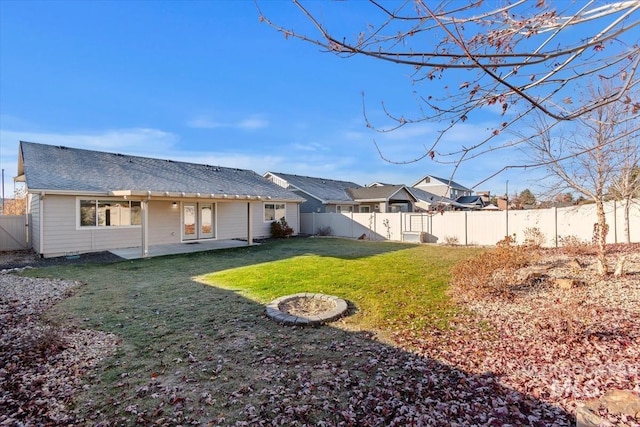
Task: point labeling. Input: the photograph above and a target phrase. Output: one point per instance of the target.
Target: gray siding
(34, 221)
(232, 220)
(262, 228)
(293, 217)
(437, 189)
(311, 205)
(60, 236)
(165, 223)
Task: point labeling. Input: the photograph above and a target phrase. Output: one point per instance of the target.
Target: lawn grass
(403, 286)
(193, 326)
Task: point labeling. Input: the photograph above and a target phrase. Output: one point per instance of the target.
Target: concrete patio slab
(179, 248)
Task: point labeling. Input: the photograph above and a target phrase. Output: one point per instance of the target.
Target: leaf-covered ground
(522, 361)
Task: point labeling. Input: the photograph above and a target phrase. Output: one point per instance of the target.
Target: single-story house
(383, 198)
(81, 201)
(442, 187)
(321, 195)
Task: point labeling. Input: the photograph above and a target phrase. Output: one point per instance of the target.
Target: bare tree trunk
(601, 237)
(627, 208)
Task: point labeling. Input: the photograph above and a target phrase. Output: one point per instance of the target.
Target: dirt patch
(306, 307)
(21, 259)
(42, 366)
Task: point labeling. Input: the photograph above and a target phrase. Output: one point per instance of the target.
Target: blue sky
(206, 82)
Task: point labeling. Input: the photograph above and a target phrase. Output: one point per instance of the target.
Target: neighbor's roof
(428, 197)
(384, 192)
(328, 191)
(470, 200)
(72, 170)
(445, 181)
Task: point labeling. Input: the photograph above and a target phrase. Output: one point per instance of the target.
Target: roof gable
(56, 168)
(442, 181)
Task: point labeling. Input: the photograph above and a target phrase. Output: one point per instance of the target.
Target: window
(274, 211)
(344, 209)
(365, 209)
(110, 213)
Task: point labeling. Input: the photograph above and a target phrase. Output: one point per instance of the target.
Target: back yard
(184, 339)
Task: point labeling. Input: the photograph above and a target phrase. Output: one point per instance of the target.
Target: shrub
(573, 245)
(533, 237)
(280, 229)
(492, 273)
(324, 231)
(450, 240)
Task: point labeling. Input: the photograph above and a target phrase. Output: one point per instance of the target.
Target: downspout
(27, 220)
(299, 221)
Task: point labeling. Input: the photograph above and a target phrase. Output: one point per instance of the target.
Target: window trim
(339, 209)
(98, 200)
(275, 211)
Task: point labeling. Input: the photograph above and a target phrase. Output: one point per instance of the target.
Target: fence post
(351, 225)
(615, 223)
(374, 225)
(555, 216)
(465, 229)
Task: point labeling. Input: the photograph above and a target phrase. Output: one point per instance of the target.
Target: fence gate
(13, 232)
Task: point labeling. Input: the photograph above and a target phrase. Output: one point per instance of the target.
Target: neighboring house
(321, 195)
(383, 198)
(442, 187)
(429, 201)
(84, 201)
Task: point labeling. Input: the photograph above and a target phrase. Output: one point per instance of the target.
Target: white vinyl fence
(478, 227)
(13, 232)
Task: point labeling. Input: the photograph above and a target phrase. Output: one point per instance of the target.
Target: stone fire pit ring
(306, 309)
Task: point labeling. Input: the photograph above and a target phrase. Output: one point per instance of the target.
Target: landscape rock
(621, 405)
(566, 282)
(575, 264)
(532, 274)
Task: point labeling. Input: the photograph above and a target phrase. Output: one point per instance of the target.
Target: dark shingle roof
(55, 168)
(428, 197)
(470, 200)
(326, 190)
(375, 193)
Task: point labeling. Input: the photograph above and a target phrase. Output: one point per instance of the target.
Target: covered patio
(179, 248)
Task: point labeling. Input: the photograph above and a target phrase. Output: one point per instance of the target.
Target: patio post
(249, 224)
(145, 224)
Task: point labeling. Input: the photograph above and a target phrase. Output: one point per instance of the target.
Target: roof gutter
(184, 195)
(66, 192)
